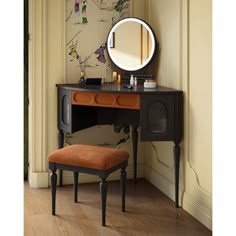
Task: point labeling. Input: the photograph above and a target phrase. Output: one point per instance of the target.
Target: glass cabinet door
(157, 117)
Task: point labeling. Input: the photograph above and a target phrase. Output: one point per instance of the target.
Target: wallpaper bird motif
(87, 25)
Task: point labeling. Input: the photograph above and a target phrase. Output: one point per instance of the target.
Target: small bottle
(118, 82)
(131, 81)
(135, 81)
(82, 78)
(114, 76)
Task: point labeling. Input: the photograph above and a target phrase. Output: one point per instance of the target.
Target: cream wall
(165, 19)
(198, 84)
(183, 28)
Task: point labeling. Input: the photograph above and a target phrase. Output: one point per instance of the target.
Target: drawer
(115, 100)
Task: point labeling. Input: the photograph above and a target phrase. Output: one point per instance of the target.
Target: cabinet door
(157, 117)
(72, 118)
(64, 119)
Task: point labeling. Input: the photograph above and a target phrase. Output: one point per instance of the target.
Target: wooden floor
(149, 212)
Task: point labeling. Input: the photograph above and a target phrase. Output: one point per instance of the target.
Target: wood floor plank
(149, 212)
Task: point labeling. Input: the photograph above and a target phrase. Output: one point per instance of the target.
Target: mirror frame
(153, 40)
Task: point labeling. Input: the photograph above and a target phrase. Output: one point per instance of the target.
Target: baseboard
(163, 184)
(199, 211)
(37, 179)
(195, 208)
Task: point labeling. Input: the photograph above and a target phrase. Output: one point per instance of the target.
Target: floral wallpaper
(88, 23)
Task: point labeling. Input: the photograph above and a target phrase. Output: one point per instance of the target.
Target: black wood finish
(135, 150)
(103, 190)
(100, 173)
(123, 177)
(60, 138)
(176, 150)
(160, 117)
(157, 118)
(61, 178)
(178, 121)
(103, 174)
(60, 145)
(76, 178)
(53, 190)
(64, 110)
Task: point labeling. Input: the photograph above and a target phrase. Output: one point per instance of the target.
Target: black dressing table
(158, 112)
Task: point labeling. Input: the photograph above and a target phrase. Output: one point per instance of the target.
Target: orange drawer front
(128, 101)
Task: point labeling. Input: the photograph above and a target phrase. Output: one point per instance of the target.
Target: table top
(114, 88)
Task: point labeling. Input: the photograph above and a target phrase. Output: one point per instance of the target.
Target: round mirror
(131, 44)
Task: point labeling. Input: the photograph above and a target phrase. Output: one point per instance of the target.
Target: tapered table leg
(135, 150)
(176, 164)
(76, 178)
(60, 145)
(123, 177)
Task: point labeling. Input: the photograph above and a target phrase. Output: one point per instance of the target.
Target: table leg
(60, 145)
(176, 150)
(135, 150)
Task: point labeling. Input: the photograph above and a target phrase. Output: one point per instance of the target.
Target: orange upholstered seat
(94, 157)
(100, 161)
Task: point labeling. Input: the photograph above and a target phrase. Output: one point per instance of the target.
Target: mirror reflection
(131, 44)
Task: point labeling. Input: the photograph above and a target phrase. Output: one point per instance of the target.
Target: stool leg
(53, 190)
(123, 177)
(76, 177)
(61, 178)
(103, 190)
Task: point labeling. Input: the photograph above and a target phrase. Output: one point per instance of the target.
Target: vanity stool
(88, 159)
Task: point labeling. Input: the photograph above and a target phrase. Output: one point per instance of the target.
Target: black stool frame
(103, 174)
